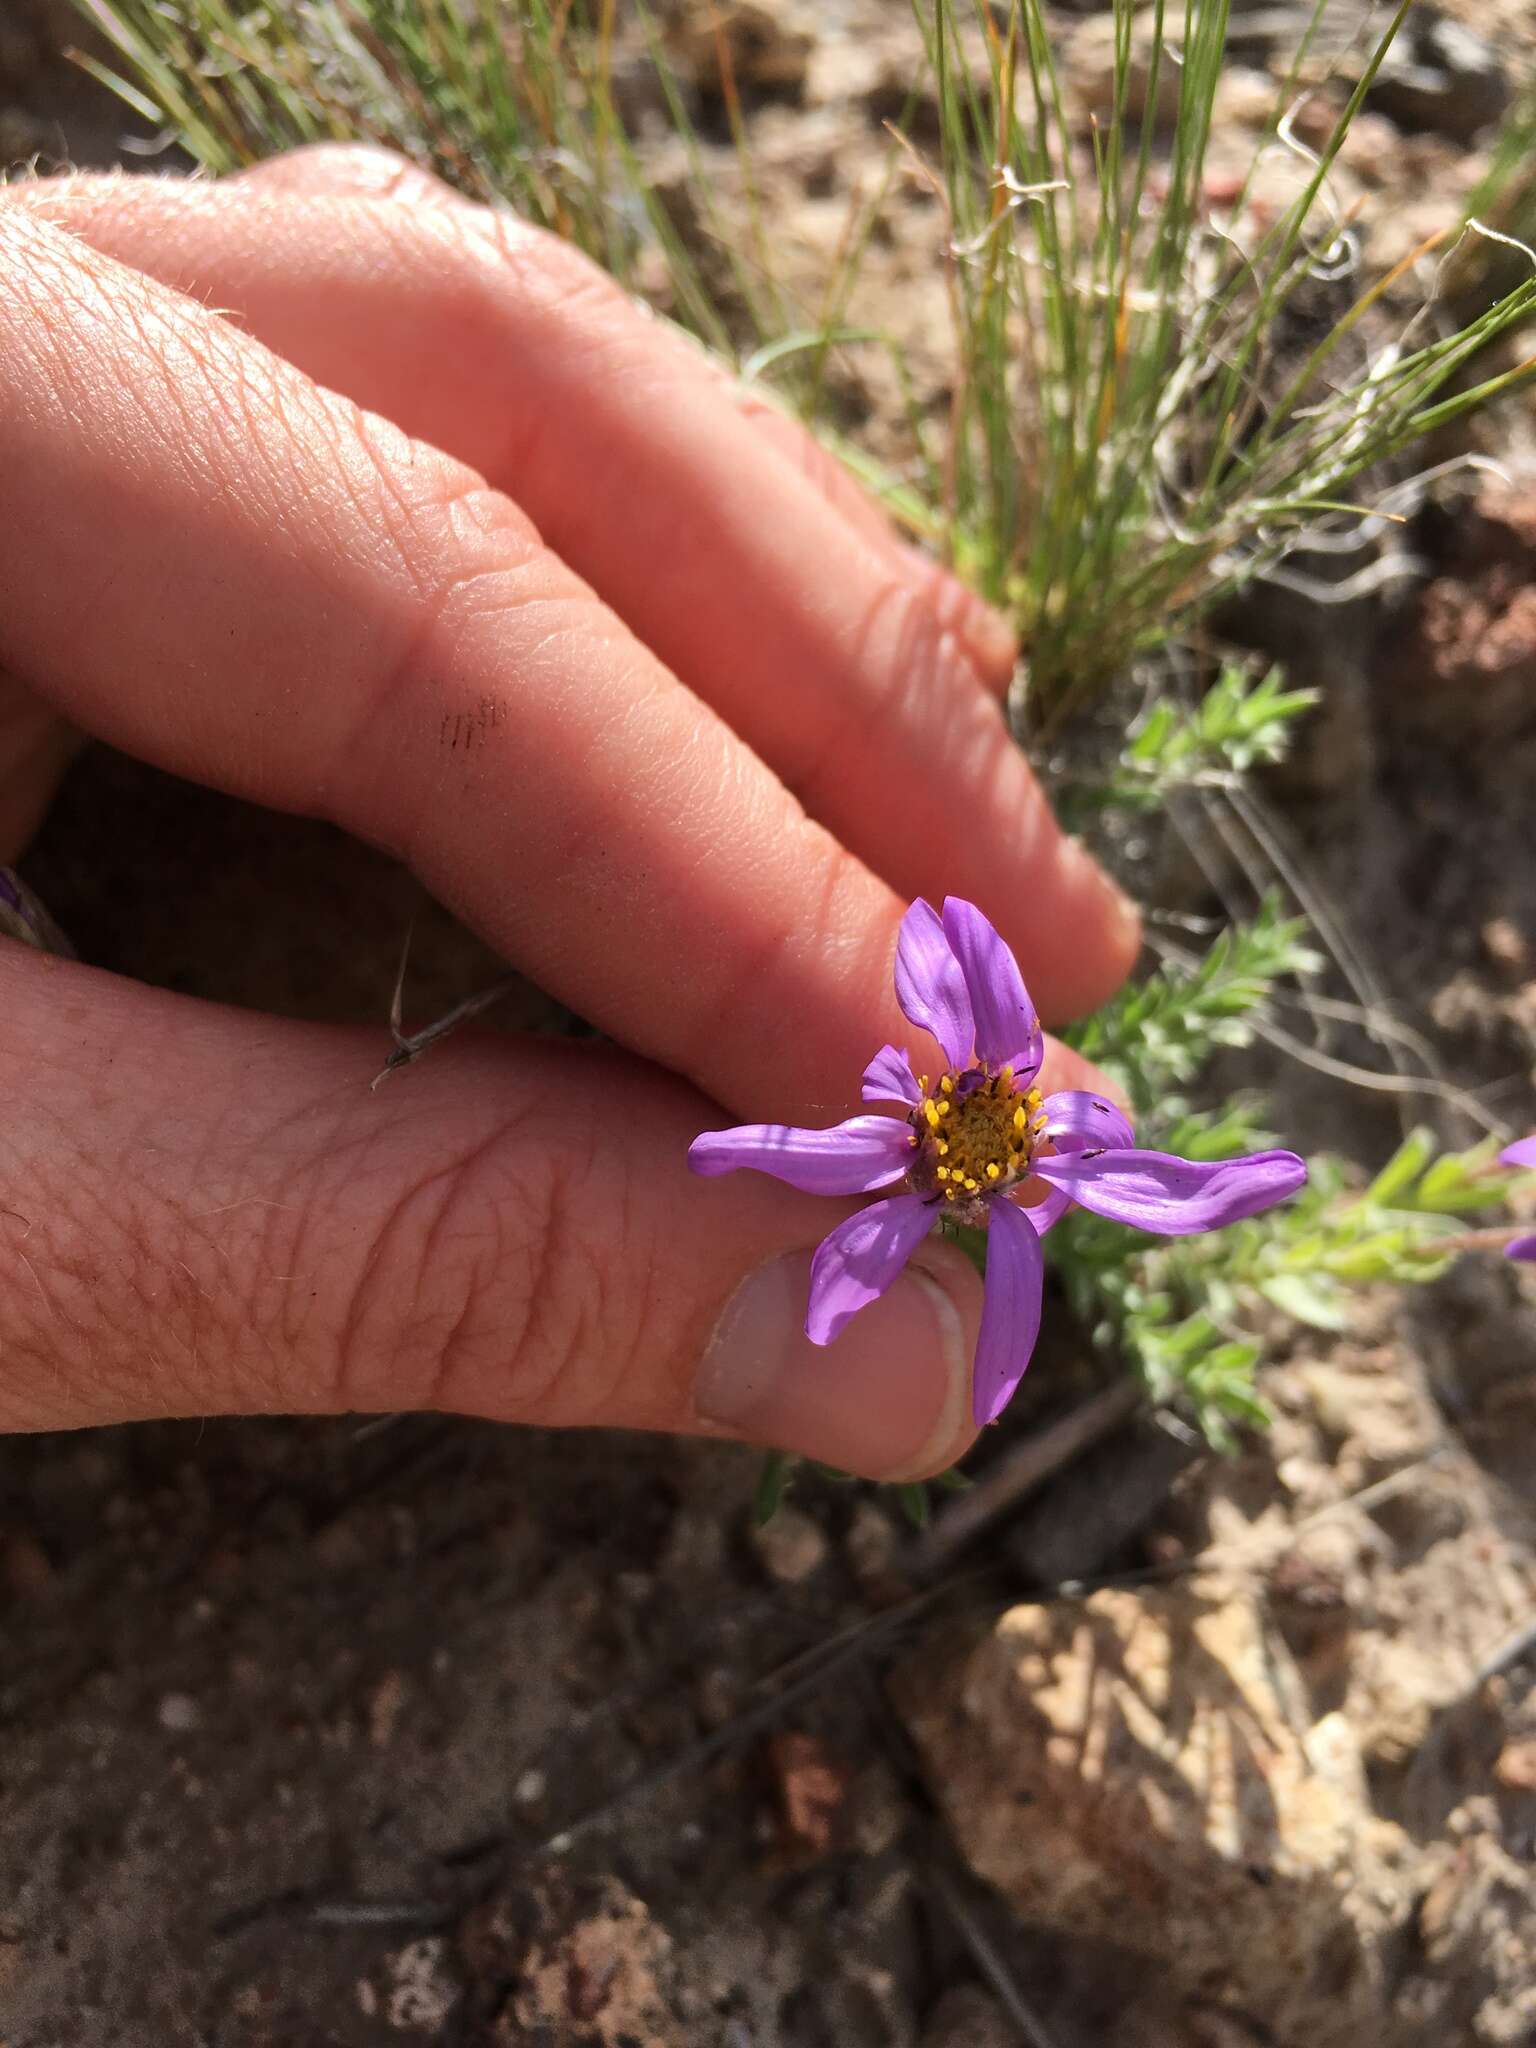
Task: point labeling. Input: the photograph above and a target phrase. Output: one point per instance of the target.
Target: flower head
(1521, 1153)
(981, 1145)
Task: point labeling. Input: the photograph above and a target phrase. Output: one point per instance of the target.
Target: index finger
(236, 574)
(847, 666)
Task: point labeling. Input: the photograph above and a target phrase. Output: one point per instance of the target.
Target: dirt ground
(419, 1730)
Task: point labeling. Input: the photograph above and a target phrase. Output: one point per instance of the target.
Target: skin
(428, 531)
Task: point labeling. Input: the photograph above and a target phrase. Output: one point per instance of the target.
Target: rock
(574, 1962)
(1506, 945)
(1441, 75)
(862, 2007)
(877, 1810)
(1309, 1594)
(530, 1788)
(1514, 1768)
(1378, 1421)
(1136, 1769)
(179, 1713)
(872, 1540)
(695, 1545)
(768, 48)
(423, 1991)
(1479, 640)
(1244, 99)
(809, 1789)
(1477, 1933)
(969, 2017)
(791, 1547)
(384, 1704)
(874, 1546)
(1087, 65)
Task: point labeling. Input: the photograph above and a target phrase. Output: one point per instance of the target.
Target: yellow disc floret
(977, 1134)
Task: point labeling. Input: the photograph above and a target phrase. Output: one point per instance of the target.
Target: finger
(277, 594)
(846, 670)
(514, 1234)
(363, 171)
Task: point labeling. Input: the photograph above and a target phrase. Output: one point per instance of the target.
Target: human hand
(428, 531)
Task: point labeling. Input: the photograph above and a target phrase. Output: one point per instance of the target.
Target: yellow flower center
(976, 1134)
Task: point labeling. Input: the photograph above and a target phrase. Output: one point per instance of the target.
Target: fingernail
(890, 1397)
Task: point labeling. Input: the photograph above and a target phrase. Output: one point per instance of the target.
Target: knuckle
(913, 684)
(828, 919)
(344, 169)
(509, 260)
(518, 294)
(467, 571)
(443, 520)
(476, 1291)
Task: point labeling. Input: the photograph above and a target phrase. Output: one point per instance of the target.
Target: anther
(994, 1171)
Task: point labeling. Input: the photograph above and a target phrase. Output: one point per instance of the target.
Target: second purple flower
(1521, 1153)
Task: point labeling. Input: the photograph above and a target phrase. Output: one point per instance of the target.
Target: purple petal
(1076, 1120)
(1521, 1248)
(929, 984)
(1007, 1029)
(1010, 1313)
(1174, 1197)
(858, 1261)
(1521, 1153)
(889, 1078)
(1044, 1215)
(849, 1159)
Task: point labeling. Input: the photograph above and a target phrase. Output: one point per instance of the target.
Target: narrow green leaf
(1402, 1169)
(772, 1484)
(914, 1504)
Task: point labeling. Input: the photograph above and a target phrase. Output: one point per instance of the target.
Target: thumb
(204, 1212)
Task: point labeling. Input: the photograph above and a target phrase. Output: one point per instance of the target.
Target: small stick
(1019, 1473)
(409, 1049)
(988, 1961)
(1513, 1650)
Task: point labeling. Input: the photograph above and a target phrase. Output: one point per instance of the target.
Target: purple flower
(1521, 1153)
(968, 1146)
